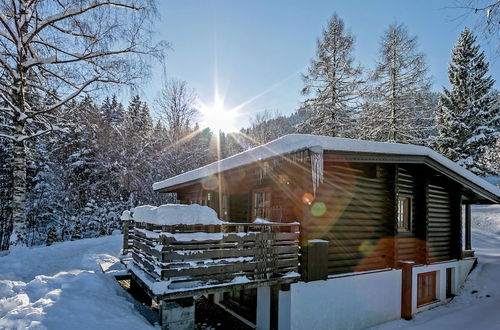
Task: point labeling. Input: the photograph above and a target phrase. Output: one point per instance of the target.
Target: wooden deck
(196, 259)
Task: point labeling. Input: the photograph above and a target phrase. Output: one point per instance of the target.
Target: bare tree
(176, 107)
(486, 15)
(398, 107)
(267, 126)
(331, 83)
(53, 51)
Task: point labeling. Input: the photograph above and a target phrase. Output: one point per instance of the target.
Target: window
(426, 288)
(404, 214)
(261, 204)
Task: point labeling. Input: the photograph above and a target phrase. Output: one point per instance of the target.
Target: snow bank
(296, 142)
(61, 287)
(176, 214)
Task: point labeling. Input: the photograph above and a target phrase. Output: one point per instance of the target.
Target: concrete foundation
(177, 315)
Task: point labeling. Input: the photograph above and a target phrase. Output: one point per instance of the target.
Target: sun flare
(217, 118)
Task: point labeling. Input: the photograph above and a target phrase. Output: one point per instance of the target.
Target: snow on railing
(189, 256)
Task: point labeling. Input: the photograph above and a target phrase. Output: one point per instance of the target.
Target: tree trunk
(18, 236)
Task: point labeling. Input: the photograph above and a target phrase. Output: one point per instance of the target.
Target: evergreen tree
(76, 233)
(469, 114)
(331, 83)
(397, 107)
(51, 236)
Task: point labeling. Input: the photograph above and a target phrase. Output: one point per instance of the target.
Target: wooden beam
(468, 218)
(406, 289)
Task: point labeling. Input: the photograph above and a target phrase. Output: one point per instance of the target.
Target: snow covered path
(478, 303)
(62, 287)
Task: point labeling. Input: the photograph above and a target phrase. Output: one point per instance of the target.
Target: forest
(73, 156)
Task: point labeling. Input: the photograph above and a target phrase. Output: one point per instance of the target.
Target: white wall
(263, 307)
(461, 269)
(350, 302)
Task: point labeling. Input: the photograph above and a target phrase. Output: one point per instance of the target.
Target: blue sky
(256, 50)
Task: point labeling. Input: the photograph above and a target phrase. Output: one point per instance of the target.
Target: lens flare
(318, 209)
(209, 182)
(241, 174)
(307, 198)
(283, 178)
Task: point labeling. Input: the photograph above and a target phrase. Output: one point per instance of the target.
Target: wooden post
(406, 289)
(467, 227)
(125, 236)
(316, 257)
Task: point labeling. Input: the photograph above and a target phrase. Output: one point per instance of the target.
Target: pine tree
(331, 83)
(397, 107)
(76, 233)
(51, 236)
(103, 231)
(469, 113)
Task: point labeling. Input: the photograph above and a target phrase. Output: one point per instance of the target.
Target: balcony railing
(190, 256)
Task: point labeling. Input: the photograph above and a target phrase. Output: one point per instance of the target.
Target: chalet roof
(296, 142)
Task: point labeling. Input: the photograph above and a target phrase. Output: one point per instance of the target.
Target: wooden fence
(215, 254)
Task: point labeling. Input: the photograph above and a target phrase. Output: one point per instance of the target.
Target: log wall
(355, 222)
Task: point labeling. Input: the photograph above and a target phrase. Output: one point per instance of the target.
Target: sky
(253, 52)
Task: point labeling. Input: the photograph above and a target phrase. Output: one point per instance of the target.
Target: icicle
(317, 167)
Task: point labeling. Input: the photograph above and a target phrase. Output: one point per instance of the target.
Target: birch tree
(397, 108)
(331, 83)
(55, 51)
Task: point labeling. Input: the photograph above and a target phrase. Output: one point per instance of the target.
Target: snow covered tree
(67, 47)
(76, 232)
(469, 113)
(267, 126)
(331, 83)
(6, 189)
(51, 236)
(112, 110)
(397, 108)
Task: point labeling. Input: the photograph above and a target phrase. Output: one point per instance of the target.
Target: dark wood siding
(239, 206)
(283, 178)
(440, 222)
(408, 245)
(355, 223)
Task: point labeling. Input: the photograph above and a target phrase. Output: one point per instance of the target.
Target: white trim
(360, 273)
(440, 269)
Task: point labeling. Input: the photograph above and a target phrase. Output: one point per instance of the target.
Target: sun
(217, 118)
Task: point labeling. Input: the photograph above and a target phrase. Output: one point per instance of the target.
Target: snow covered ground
(478, 304)
(62, 287)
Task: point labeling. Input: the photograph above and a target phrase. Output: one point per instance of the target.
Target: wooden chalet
(375, 222)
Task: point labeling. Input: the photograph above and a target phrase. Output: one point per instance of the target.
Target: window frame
(426, 290)
(407, 220)
(266, 198)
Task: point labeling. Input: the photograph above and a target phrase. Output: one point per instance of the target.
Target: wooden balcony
(183, 260)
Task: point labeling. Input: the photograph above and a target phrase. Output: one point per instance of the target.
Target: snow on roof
(176, 214)
(296, 142)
